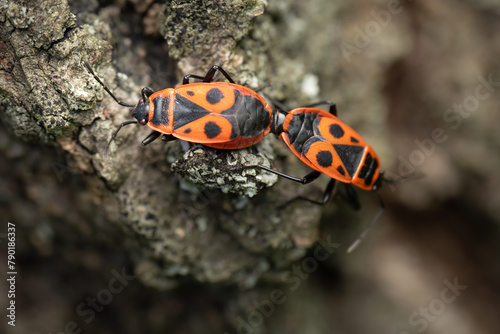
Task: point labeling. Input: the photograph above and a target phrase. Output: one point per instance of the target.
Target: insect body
(328, 146)
(221, 115)
(324, 143)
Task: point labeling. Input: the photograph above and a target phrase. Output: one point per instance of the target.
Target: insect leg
(350, 197)
(213, 71)
(152, 137)
(304, 180)
(167, 138)
(332, 110)
(146, 92)
(185, 81)
(326, 196)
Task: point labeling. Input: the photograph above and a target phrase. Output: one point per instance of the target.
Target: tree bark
(204, 225)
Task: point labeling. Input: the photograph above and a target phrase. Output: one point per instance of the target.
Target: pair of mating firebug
(225, 115)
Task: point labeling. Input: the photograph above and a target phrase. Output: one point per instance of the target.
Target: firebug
(222, 115)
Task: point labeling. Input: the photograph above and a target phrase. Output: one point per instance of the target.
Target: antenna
(114, 136)
(356, 242)
(87, 65)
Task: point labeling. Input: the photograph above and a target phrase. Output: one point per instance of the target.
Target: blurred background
(419, 80)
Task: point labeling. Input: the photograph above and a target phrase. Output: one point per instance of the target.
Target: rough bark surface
(208, 249)
(182, 228)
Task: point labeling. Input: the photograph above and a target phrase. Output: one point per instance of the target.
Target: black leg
(152, 137)
(326, 196)
(167, 138)
(280, 106)
(146, 93)
(277, 104)
(328, 191)
(213, 71)
(185, 81)
(332, 106)
(332, 110)
(262, 88)
(350, 197)
(305, 180)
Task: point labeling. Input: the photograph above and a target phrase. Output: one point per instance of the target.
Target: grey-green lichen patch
(96, 26)
(207, 30)
(50, 110)
(45, 103)
(263, 223)
(3, 10)
(67, 74)
(22, 125)
(20, 14)
(22, 44)
(144, 197)
(152, 274)
(56, 19)
(112, 169)
(50, 85)
(224, 172)
(168, 225)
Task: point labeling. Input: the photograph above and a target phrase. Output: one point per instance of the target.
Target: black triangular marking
(186, 111)
(350, 156)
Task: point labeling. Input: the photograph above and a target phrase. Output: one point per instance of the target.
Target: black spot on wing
(214, 96)
(212, 130)
(190, 93)
(324, 158)
(350, 156)
(188, 130)
(336, 131)
(354, 140)
(341, 170)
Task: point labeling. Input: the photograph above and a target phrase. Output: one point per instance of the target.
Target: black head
(141, 111)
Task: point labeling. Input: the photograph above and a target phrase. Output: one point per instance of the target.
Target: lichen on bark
(182, 228)
(197, 33)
